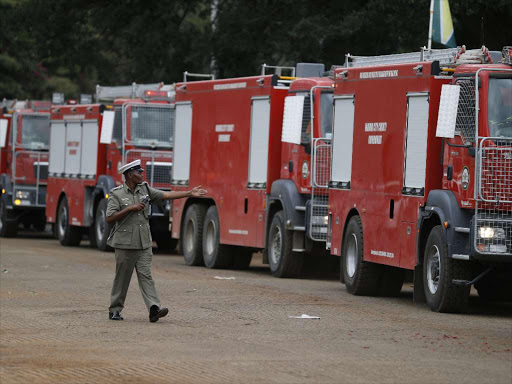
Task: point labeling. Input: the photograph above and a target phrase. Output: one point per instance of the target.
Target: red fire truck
(249, 142)
(24, 139)
(422, 175)
(89, 143)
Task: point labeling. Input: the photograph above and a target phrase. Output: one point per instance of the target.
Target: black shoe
(156, 313)
(116, 315)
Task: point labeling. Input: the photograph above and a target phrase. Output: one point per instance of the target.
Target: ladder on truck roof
(448, 56)
(444, 56)
(129, 91)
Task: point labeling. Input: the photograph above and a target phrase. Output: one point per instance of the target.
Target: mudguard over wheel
(438, 272)
(215, 254)
(101, 227)
(192, 235)
(361, 277)
(67, 234)
(8, 228)
(282, 260)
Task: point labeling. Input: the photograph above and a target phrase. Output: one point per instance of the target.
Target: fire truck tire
(101, 227)
(67, 234)
(361, 277)
(215, 254)
(438, 272)
(8, 228)
(242, 257)
(192, 235)
(282, 260)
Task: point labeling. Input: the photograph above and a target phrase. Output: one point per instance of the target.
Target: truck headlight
(319, 220)
(22, 195)
(491, 233)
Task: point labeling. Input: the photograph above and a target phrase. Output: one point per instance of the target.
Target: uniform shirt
(135, 232)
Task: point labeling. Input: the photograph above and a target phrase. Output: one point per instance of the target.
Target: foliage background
(72, 45)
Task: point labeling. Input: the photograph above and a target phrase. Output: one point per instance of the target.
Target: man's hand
(197, 191)
(137, 207)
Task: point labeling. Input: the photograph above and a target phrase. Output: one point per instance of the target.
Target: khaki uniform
(133, 244)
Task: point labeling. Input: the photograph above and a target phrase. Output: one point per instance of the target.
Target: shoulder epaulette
(116, 188)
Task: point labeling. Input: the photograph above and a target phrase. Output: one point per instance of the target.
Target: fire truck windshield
(152, 126)
(500, 107)
(35, 132)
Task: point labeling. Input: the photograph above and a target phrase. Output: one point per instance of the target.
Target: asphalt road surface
(54, 327)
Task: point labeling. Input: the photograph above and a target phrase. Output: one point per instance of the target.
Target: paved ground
(54, 327)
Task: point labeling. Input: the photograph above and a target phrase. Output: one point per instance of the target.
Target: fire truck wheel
(282, 260)
(215, 254)
(101, 227)
(192, 235)
(242, 257)
(7, 228)
(361, 277)
(68, 235)
(438, 272)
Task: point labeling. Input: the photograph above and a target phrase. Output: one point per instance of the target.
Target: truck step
(296, 228)
(300, 208)
(461, 229)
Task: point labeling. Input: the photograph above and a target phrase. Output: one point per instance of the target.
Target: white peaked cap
(128, 167)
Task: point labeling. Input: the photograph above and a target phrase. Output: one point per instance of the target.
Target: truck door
(182, 142)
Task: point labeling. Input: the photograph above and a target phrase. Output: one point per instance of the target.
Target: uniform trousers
(126, 260)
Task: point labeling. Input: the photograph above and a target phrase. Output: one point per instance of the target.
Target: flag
(442, 29)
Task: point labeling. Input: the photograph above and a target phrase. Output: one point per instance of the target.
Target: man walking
(128, 207)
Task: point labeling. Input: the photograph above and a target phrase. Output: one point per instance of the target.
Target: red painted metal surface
(222, 167)
(378, 170)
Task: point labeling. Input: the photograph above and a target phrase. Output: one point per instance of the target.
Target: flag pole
(430, 24)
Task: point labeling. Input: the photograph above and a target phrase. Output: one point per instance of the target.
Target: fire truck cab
(422, 175)
(249, 142)
(24, 143)
(88, 145)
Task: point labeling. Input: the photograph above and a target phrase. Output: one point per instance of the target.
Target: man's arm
(195, 192)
